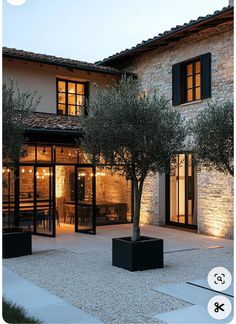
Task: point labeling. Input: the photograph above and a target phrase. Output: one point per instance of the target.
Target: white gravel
(88, 281)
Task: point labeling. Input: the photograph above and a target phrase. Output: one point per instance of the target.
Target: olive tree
(16, 107)
(213, 133)
(134, 133)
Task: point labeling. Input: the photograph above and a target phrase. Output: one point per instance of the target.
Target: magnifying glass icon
(219, 278)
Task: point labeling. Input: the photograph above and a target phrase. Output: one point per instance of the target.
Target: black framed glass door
(180, 192)
(44, 215)
(85, 200)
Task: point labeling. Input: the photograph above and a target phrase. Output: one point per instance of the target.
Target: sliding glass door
(44, 201)
(37, 199)
(85, 200)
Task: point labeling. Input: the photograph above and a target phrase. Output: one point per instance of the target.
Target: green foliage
(16, 108)
(214, 137)
(13, 313)
(135, 133)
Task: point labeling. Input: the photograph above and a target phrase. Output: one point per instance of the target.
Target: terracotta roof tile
(60, 61)
(39, 120)
(167, 33)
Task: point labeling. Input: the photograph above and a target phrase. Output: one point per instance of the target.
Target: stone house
(191, 65)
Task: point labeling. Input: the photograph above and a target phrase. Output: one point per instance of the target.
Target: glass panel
(181, 188)
(80, 100)
(8, 198)
(72, 110)
(190, 190)
(79, 110)
(83, 157)
(30, 154)
(66, 154)
(62, 98)
(197, 67)
(182, 191)
(44, 201)
(198, 93)
(85, 199)
(80, 88)
(189, 82)
(113, 198)
(65, 194)
(44, 153)
(61, 86)
(71, 87)
(190, 69)
(198, 80)
(174, 191)
(71, 99)
(190, 95)
(61, 109)
(26, 216)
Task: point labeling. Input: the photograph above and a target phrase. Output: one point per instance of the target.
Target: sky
(90, 30)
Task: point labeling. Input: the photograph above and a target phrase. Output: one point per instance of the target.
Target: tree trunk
(138, 188)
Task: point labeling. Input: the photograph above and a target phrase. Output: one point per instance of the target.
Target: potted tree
(135, 134)
(16, 107)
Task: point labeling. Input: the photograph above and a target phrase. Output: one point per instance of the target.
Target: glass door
(44, 213)
(85, 200)
(180, 191)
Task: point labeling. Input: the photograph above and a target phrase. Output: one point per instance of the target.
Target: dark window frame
(193, 75)
(67, 105)
(179, 80)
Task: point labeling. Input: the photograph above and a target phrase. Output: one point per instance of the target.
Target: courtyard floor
(77, 269)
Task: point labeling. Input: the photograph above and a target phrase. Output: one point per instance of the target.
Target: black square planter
(16, 243)
(147, 253)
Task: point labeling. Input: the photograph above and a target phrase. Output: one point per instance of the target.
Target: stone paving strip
(88, 281)
(39, 303)
(195, 294)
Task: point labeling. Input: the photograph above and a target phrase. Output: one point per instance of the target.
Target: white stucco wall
(42, 78)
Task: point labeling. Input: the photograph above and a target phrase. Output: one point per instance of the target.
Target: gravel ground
(88, 281)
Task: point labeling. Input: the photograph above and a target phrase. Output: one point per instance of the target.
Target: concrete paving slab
(204, 283)
(193, 314)
(188, 293)
(62, 313)
(40, 303)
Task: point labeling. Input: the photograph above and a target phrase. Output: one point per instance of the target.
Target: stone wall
(154, 70)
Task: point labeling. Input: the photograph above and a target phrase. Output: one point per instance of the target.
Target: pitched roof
(59, 61)
(174, 34)
(47, 121)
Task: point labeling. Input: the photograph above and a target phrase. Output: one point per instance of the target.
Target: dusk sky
(91, 30)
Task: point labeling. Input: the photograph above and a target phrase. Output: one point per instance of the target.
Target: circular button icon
(219, 307)
(219, 278)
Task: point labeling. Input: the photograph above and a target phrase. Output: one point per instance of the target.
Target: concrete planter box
(16, 243)
(147, 253)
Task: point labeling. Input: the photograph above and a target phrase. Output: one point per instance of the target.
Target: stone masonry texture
(154, 71)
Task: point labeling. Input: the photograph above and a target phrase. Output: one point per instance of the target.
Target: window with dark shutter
(191, 80)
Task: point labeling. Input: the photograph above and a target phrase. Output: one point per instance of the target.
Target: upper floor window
(191, 80)
(71, 97)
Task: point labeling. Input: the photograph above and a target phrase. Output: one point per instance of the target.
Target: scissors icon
(218, 307)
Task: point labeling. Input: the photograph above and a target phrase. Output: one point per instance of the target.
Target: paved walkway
(70, 248)
(197, 293)
(40, 303)
(174, 239)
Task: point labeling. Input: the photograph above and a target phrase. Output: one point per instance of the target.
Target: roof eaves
(57, 62)
(163, 35)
